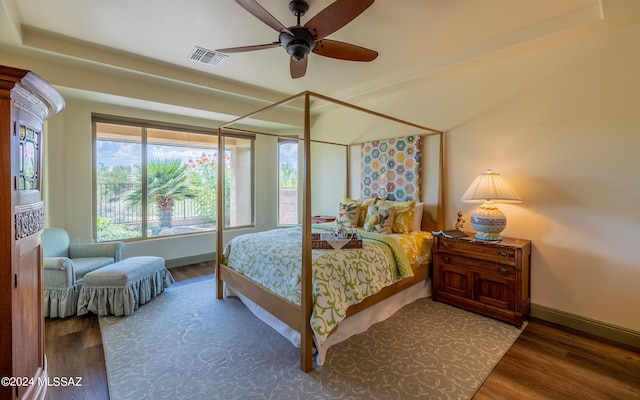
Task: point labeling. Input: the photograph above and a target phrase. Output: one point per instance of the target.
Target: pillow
(364, 205)
(379, 219)
(403, 214)
(349, 214)
(416, 225)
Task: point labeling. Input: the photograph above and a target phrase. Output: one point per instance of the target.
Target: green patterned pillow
(379, 219)
(348, 214)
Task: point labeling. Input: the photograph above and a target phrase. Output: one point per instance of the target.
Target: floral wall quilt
(391, 169)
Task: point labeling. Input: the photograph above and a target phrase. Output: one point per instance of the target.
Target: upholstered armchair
(66, 264)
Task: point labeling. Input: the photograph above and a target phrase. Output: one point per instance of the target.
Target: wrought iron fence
(111, 205)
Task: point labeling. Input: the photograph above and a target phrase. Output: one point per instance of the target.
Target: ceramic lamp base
(488, 221)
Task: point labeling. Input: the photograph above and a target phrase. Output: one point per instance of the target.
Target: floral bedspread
(340, 277)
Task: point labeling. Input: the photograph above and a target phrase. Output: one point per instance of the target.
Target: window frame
(295, 140)
(145, 125)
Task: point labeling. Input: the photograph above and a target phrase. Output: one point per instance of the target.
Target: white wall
(328, 177)
(563, 128)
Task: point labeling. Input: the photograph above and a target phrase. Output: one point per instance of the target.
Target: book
(453, 233)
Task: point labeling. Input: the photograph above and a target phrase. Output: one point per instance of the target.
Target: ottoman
(119, 288)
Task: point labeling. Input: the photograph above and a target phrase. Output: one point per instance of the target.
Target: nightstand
(490, 278)
(319, 219)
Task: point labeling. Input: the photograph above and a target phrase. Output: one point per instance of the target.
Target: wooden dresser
(490, 278)
(25, 102)
(319, 219)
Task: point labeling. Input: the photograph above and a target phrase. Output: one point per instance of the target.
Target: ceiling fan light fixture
(298, 49)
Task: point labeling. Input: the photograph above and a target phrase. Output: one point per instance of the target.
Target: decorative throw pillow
(403, 214)
(349, 214)
(418, 210)
(364, 205)
(379, 219)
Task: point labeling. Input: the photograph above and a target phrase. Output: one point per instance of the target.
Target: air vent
(207, 56)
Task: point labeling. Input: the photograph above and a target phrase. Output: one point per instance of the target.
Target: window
(287, 182)
(153, 180)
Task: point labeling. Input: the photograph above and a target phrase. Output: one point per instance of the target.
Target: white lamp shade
(490, 186)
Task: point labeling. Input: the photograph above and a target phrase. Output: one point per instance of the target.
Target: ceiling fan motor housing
(298, 45)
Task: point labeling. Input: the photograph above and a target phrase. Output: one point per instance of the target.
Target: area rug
(186, 344)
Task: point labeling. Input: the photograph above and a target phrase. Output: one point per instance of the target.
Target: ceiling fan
(299, 40)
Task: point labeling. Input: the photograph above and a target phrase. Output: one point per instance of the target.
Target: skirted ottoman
(119, 288)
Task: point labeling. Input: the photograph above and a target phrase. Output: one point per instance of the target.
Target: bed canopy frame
(298, 317)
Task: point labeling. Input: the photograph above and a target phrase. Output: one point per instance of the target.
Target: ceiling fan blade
(263, 15)
(344, 51)
(335, 16)
(298, 68)
(248, 48)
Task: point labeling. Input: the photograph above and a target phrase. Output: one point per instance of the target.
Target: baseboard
(601, 329)
(180, 262)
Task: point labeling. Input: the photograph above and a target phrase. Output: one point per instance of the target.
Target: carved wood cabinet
(490, 278)
(26, 100)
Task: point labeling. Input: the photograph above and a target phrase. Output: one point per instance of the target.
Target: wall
(562, 127)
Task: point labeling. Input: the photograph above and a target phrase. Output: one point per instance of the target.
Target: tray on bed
(329, 241)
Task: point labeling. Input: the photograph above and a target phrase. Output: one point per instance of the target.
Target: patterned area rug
(186, 344)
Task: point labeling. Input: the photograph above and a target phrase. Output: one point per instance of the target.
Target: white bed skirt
(353, 325)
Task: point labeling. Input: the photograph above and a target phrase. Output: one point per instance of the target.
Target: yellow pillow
(364, 205)
(402, 216)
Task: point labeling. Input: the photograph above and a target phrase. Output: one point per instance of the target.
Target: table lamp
(488, 220)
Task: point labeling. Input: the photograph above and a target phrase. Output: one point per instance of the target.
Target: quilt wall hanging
(391, 169)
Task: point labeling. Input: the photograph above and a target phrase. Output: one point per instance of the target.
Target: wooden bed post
(347, 188)
(220, 213)
(441, 187)
(306, 300)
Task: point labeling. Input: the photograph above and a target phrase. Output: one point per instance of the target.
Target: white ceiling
(414, 38)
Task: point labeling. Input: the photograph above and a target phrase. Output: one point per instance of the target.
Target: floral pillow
(349, 214)
(379, 219)
(364, 205)
(403, 215)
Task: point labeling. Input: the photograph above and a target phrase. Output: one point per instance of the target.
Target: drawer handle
(504, 254)
(446, 245)
(503, 271)
(445, 259)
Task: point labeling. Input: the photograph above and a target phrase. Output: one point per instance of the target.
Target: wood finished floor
(546, 362)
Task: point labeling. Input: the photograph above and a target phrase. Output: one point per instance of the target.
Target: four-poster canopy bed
(292, 314)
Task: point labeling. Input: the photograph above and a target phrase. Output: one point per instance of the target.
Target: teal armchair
(65, 265)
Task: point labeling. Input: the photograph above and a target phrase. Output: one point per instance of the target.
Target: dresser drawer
(506, 270)
(479, 250)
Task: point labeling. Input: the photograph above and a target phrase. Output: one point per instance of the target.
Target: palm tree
(166, 183)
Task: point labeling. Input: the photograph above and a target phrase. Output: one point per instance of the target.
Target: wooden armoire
(26, 100)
